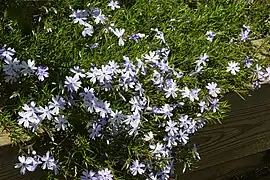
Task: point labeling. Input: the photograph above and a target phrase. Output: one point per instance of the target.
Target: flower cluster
(30, 163)
(132, 112)
(14, 69)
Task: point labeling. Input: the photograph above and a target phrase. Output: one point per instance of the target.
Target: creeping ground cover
(101, 90)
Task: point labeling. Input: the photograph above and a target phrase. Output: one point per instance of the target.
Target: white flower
(152, 57)
(137, 168)
(48, 161)
(56, 104)
(73, 83)
(7, 53)
(212, 88)
(25, 164)
(105, 174)
(191, 94)
(166, 111)
(158, 150)
(45, 113)
(88, 31)
(183, 136)
(28, 68)
(170, 128)
(78, 72)
(149, 136)
(203, 58)
(88, 175)
(119, 33)
(95, 131)
(203, 106)
(184, 121)
(114, 5)
(60, 123)
(210, 36)
(267, 74)
(100, 18)
(233, 67)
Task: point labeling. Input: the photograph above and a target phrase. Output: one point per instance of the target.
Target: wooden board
(8, 158)
(244, 132)
(232, 170)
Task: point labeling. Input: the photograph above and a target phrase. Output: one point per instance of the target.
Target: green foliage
(184, 24)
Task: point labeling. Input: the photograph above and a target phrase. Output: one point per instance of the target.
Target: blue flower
(42, 73)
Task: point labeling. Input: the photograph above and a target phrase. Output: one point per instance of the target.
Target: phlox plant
(102, 90)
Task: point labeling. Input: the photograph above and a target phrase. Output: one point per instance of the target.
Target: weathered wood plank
(244, 132)
(4, 139)
(227, 171)
(8, 158)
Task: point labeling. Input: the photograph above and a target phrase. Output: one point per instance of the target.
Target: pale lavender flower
(152, 57)
(137, 104)
(48, 161)
(79, 16)
(256, 85)
(171, 88)
(194, 94)
(45, 113)
(244, 35)
(137, 36)
(233, 67)
(212, 88)
(78, 71)
(267, 73)
(210, 36)
(185, 92)
(60, 123)
(258, 72)
(183, 136)
(203, 59)
(105, 174)
(203, 106)
(100, 18)
(88, 31)
(149, 136)
(184, 121)
(12, 70)
(93, 46)
(171, 128)
(56, 104)
(28, 68)
(7, 53)
(120, 34)
(155, 110)
(73, 83)
(214, 104)
(158, 150)
(95, 131)
(248, 62)
(88, 175)
(26, 163)
(114, 5)
(166, 111)
(42, 73)
(137, 168)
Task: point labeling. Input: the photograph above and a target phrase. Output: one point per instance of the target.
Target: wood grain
(227, 171)
(244, 132)
(8, 158)
(4, 138)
